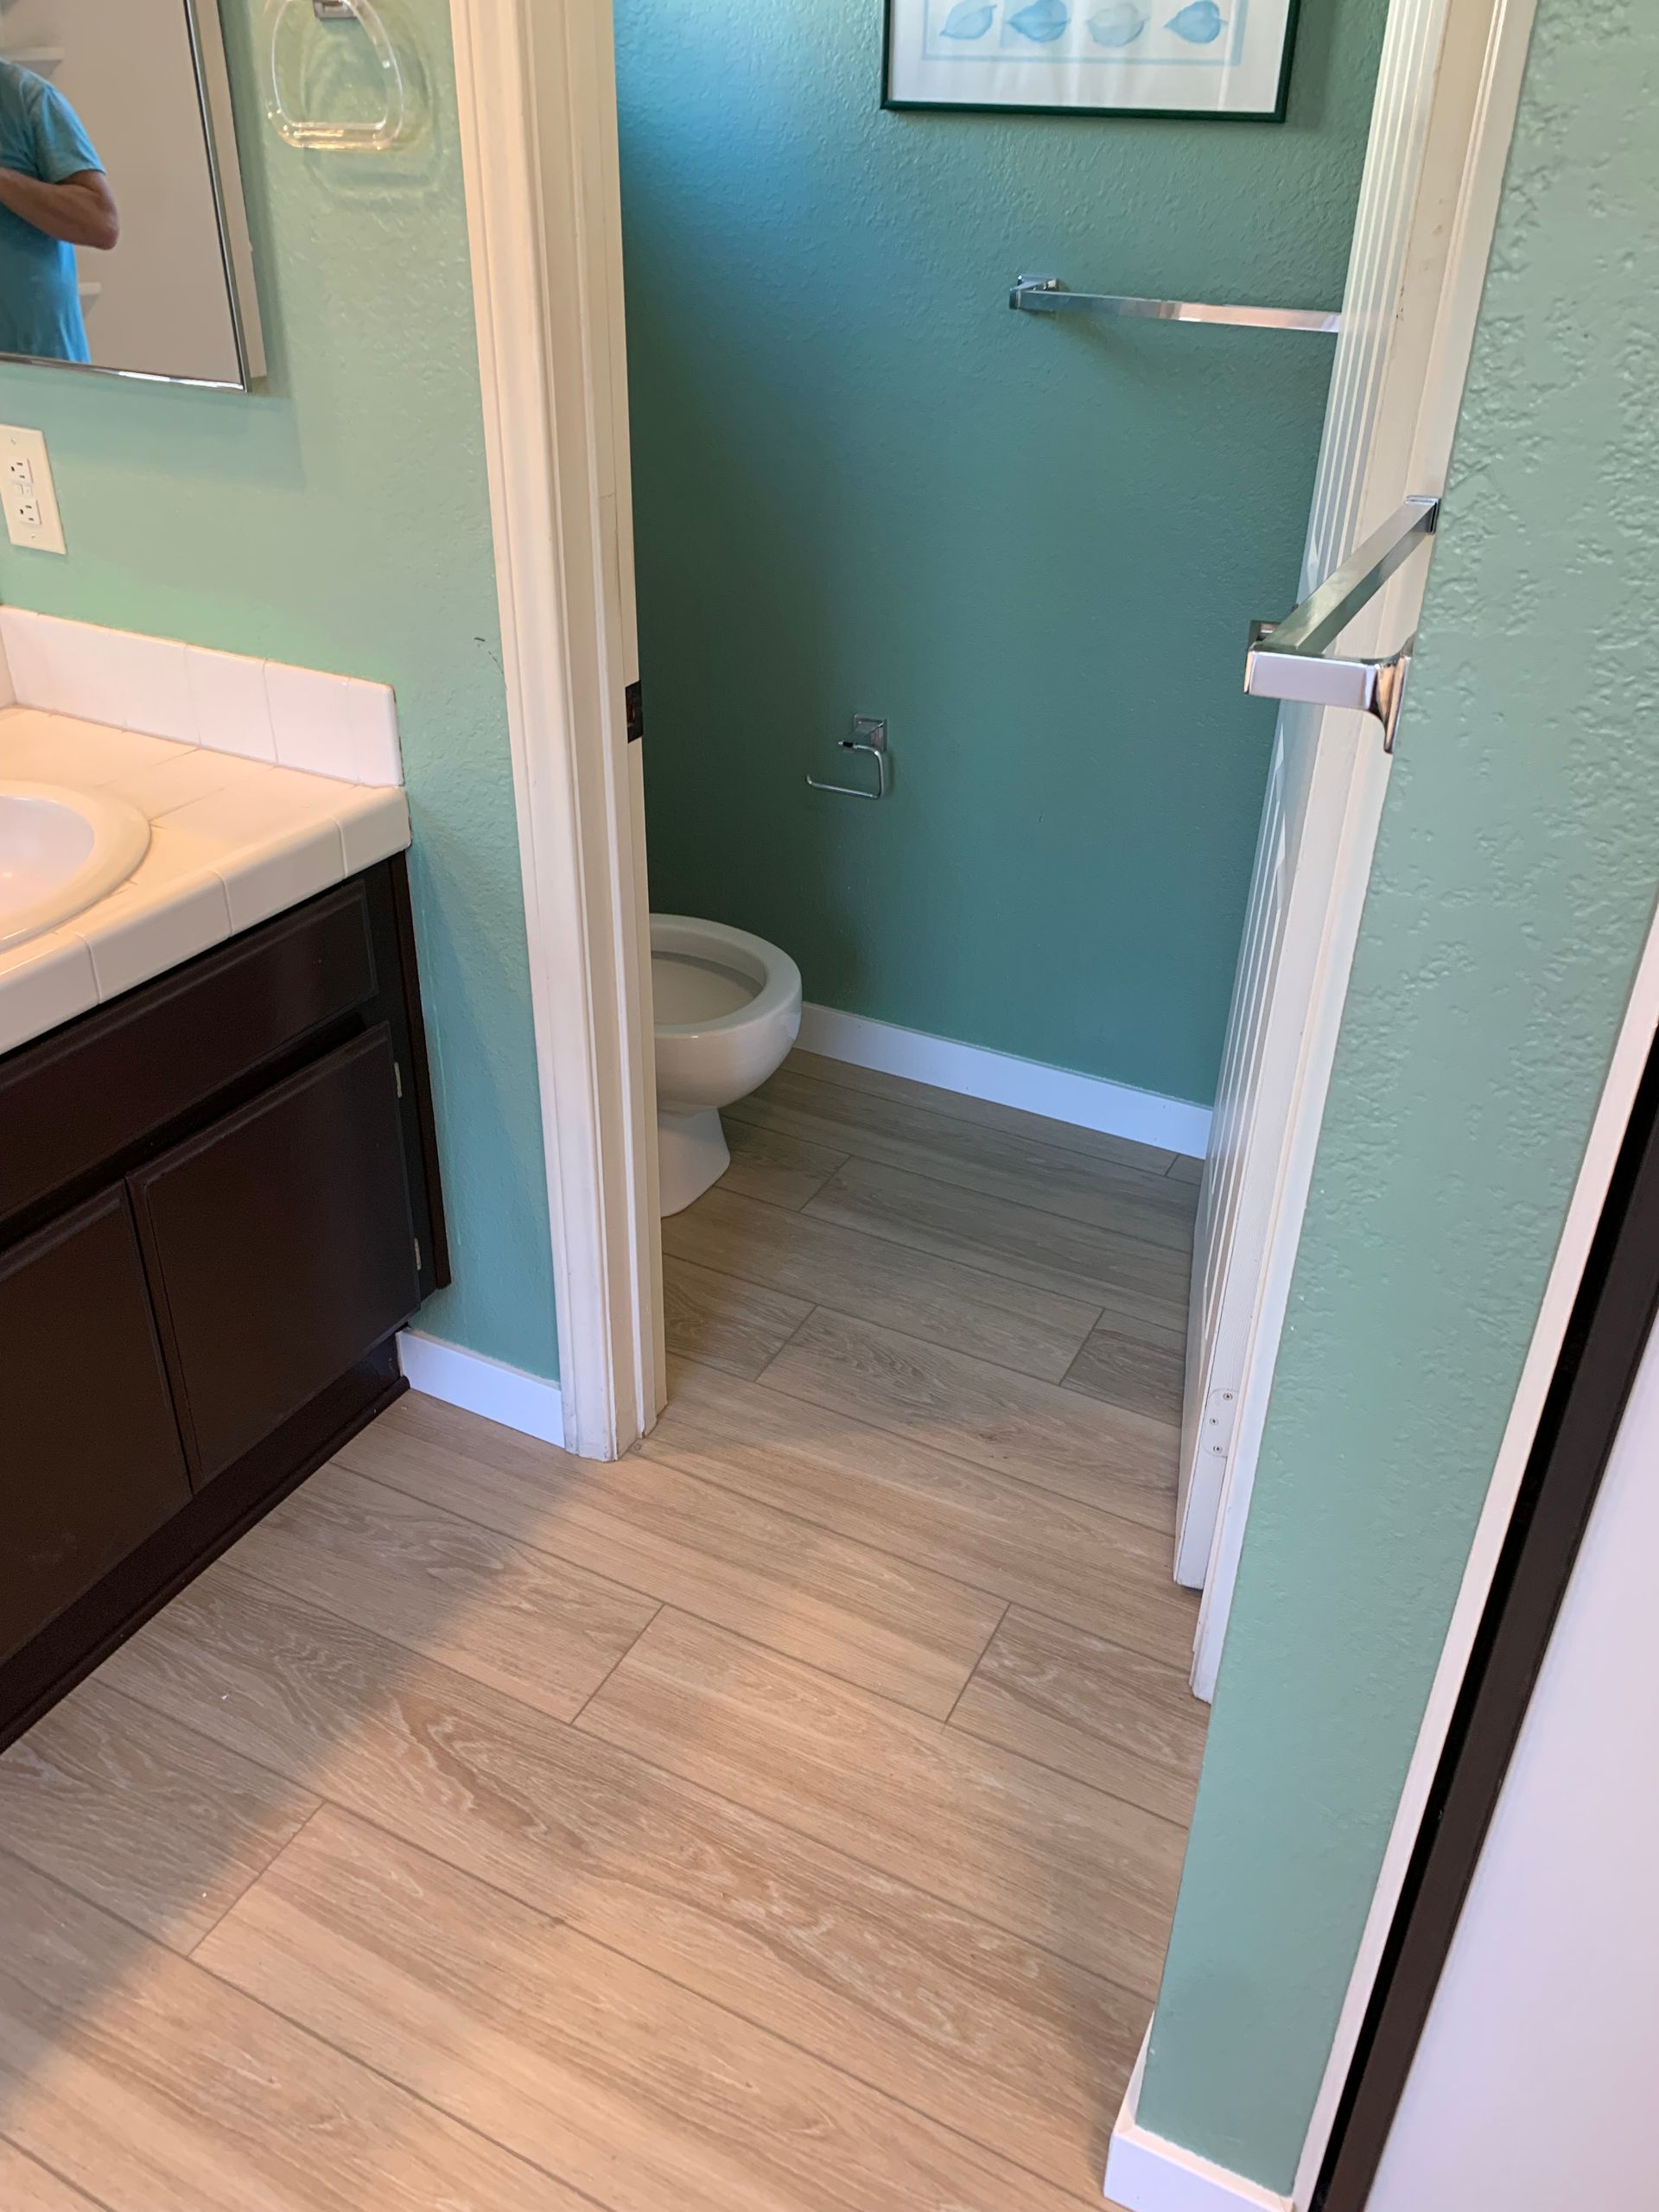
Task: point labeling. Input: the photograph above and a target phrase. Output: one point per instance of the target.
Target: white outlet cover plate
(31, 510)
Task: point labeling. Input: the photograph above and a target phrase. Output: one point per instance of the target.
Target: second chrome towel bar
(1048, 295)
(1287, 660)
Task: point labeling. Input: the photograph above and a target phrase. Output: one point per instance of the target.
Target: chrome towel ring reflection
(870, 735)
(313, 134)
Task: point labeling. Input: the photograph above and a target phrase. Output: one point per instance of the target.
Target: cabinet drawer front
(77, 1099)
(90, 1459)
(280, 1249)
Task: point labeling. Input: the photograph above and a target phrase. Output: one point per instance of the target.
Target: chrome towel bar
(1048, 295)
(1288, 660)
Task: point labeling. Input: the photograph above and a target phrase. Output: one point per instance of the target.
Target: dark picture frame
(1146, 112)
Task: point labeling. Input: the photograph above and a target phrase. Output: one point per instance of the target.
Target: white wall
(1536, 2085)
(162, 302)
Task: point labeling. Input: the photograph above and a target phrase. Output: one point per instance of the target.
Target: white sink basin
(61, 851)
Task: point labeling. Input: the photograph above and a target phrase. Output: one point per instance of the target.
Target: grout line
(1041, 1490)
(379, 1480)
(880, 1246)
(47, 2167)
(881, 2088)
(312, 2035)
(699, 1478)
(702, 1790)
(220, 1918)
(978, 1663)
(893, 1705)
(1183, 1822)
(656, 1972)
(827, 1673)
(609, 1671)
(866, 1126)
(1086, 1287)
(654, 1450)
(1146, 1187)
(926, 1105)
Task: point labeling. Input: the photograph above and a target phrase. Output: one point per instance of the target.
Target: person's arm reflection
(54, 197)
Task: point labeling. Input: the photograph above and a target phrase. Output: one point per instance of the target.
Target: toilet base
(691, 1156)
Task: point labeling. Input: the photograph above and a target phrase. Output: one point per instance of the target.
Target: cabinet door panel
(280, 1249)
(90, 1458)
(88, 1093)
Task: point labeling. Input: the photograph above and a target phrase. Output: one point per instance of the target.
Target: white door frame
(536, 92)
(1637, 1032)
(1452, 72)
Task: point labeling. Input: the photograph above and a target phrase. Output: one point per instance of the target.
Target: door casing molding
(1447, 100)
(536, 92)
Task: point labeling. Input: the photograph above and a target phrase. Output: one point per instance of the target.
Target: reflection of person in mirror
(54, 197)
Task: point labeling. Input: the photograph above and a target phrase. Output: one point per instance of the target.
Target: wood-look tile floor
(786, 1819)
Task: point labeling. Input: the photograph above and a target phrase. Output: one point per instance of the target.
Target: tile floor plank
(1136, 1201)
(576, 2058)
(1020, 1846)
(154, 2088)
(1184, 1169)
(543, 1628)
(157, 1824)
(1008, 2043)
(955, 1106)
(967, 1309)
(1104, 1573)
(783, 1170)
(1077, 1259)
(1054, 1439)
(725, 1322)
(1126, 1370)
(1107, 1715)
(28, 2186)
(873, 1619)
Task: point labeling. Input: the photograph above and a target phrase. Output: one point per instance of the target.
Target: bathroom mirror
(123, 245)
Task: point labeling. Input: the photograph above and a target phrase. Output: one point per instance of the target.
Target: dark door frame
(1605, 1338)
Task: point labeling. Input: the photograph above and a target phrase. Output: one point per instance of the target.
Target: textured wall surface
(863, 487)
(339, 518)
(1515, 882)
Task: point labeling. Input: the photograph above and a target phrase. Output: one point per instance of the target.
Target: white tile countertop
(233, 841)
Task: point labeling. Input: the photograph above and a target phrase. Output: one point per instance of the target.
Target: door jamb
(1500, 64)
(537, 95)
(1637, 1038)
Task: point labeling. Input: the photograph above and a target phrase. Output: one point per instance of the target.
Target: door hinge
(633, 700)
(1219, 1409)
(397, 1076)
(418, 1255)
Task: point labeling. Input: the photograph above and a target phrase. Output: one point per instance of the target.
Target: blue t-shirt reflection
(40, 136)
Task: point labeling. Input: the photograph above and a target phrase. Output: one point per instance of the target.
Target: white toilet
(727, 1010)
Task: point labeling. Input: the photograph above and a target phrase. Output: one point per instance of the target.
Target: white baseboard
(1088, 1102)
(1146, 2173)
(484, 1386)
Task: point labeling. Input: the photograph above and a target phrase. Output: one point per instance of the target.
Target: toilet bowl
(727, 1010)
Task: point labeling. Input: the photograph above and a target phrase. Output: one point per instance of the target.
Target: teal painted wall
(1515, 882)
(862, 485)
(339, 518)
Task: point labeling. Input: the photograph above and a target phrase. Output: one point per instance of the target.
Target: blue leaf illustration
(1043, 21)
(1199, 23)
(1119, 24)
(969, 19)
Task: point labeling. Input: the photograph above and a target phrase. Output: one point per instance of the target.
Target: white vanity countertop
(233, 842)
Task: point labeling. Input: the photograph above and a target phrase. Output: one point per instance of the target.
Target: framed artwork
(1192, 59)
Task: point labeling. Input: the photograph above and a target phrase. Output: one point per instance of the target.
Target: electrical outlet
(26, 491)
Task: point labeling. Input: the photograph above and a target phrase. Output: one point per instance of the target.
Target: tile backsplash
(301, 718)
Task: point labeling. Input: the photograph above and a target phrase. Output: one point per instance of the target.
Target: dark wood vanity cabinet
(91, 1449)
(219, 1202)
